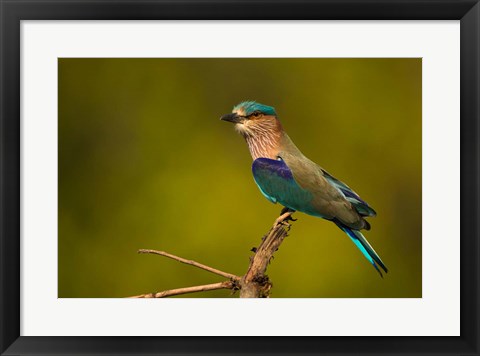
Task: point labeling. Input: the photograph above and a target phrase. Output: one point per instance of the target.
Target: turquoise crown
(251, 106)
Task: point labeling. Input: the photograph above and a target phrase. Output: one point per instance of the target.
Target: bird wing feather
(360, 205)
(329, 201)
(276, 182)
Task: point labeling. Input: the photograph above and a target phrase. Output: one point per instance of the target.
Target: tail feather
(361, 242)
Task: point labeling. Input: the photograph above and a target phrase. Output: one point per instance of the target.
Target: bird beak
(232, 118)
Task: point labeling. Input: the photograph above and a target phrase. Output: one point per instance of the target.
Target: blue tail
(361, 242)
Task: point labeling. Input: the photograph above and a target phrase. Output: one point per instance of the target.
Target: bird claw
(285, 218)
(289, 218)
(286, 210)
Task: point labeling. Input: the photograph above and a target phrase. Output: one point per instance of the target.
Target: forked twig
(191, 263)
(254, 284)
(178, 291)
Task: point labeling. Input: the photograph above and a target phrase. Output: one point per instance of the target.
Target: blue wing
(277, 184)
(360, 205)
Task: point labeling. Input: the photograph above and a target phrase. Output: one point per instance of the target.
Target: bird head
(252, 118)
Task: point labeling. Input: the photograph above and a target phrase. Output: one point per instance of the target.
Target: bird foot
(284, 218)
(289, 218)
(286, 210)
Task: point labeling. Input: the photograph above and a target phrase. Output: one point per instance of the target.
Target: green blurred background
(145, 162)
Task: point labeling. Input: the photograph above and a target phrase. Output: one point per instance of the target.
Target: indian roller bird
(286, 176)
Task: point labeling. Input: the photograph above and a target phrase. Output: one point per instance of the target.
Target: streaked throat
(263, 139)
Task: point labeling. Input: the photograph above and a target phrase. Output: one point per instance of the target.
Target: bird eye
(257, 114)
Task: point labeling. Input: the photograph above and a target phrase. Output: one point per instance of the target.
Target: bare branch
(191, 263)
(202, 288)
(255, 284)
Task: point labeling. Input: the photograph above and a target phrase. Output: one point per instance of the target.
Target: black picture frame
(14, 11)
